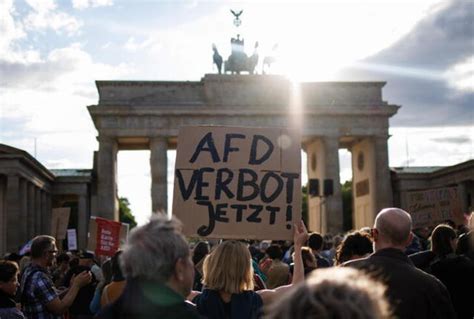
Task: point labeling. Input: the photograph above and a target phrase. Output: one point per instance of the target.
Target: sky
(51, 52)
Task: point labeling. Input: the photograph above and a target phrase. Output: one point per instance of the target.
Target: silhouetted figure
(217, 59)
(412, 293)
(236, 14)
(270, 59)
(237, 21)
(253, 59)
(455, 272)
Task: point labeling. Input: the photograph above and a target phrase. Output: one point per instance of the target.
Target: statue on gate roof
(238, 60)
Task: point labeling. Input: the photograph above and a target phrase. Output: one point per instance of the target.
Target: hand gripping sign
(235, 182)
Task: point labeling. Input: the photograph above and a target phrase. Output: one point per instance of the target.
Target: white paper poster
(71, 239)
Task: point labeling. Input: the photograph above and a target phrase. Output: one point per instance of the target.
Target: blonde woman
(228, 281)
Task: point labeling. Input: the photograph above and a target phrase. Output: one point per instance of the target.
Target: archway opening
(134, 182)
(345, 176)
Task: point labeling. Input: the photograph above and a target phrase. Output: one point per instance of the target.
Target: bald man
(412, 292)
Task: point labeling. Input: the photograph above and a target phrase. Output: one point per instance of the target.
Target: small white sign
(71, 239)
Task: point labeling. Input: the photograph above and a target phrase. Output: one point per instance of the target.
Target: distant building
(28, 193)
(418, 180)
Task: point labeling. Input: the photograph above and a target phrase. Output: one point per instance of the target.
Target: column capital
(381, 137)
(158, 141)
(331, 141)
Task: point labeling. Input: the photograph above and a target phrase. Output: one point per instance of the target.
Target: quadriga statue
(238, 61)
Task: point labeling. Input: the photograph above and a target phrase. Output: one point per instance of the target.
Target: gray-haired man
(157, 265)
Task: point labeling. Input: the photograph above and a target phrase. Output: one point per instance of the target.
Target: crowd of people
(388, 271)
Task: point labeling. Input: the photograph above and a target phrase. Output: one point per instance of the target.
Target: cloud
(84, 4)
(461, 75)
(452, 139)
(45, 15)
(429, 72)
(148, 44)
(10, 29)
(430, 146)
(62, 68)
(44, 94)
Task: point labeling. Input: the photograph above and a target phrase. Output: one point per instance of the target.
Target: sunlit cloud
(84, 4)
(461, 75)
(45, 15)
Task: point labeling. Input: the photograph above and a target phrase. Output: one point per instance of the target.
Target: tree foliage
(347, 204)
(304, 204)
(125, 213)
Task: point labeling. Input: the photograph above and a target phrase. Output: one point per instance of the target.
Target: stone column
(332, 208)
(107, 178)
(324, 213)
(159, 166)
(45, 217)
(82, 222)
(383, 187)
(38, 212)
(49, 213)
(31, 210)
(13, 213)
(23, 210)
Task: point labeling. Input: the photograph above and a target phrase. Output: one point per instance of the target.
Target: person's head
(13, 257)
(62, 261)
(86, 259)
(117, 274)
(274, 252)
(328, 241)
(107, 270)
(309, 260)
(74, 262)
(228, 268)
(24, 262)
(43, 250)
(392, 229)
(334, 293)
(200, 251)
(337, 241)
(355, 245)
(465, 244)
(443, 240)
(158, 252)
(9, 277)
(315, 241)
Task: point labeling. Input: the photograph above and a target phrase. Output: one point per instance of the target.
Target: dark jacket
(423, 259)
(8, 308)
(457, 274)
(143, 300)
(413, 294)
(247, 304)
(81, 303)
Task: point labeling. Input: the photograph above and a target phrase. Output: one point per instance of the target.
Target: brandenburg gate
(137, 115)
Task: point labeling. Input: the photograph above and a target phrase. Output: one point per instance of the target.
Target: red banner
(108, 237)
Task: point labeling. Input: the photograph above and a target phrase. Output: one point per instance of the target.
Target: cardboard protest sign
(106, 236)
(59, 222)
(431, 207)
(234, 182)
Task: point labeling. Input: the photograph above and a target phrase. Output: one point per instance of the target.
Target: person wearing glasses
(39, 298)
